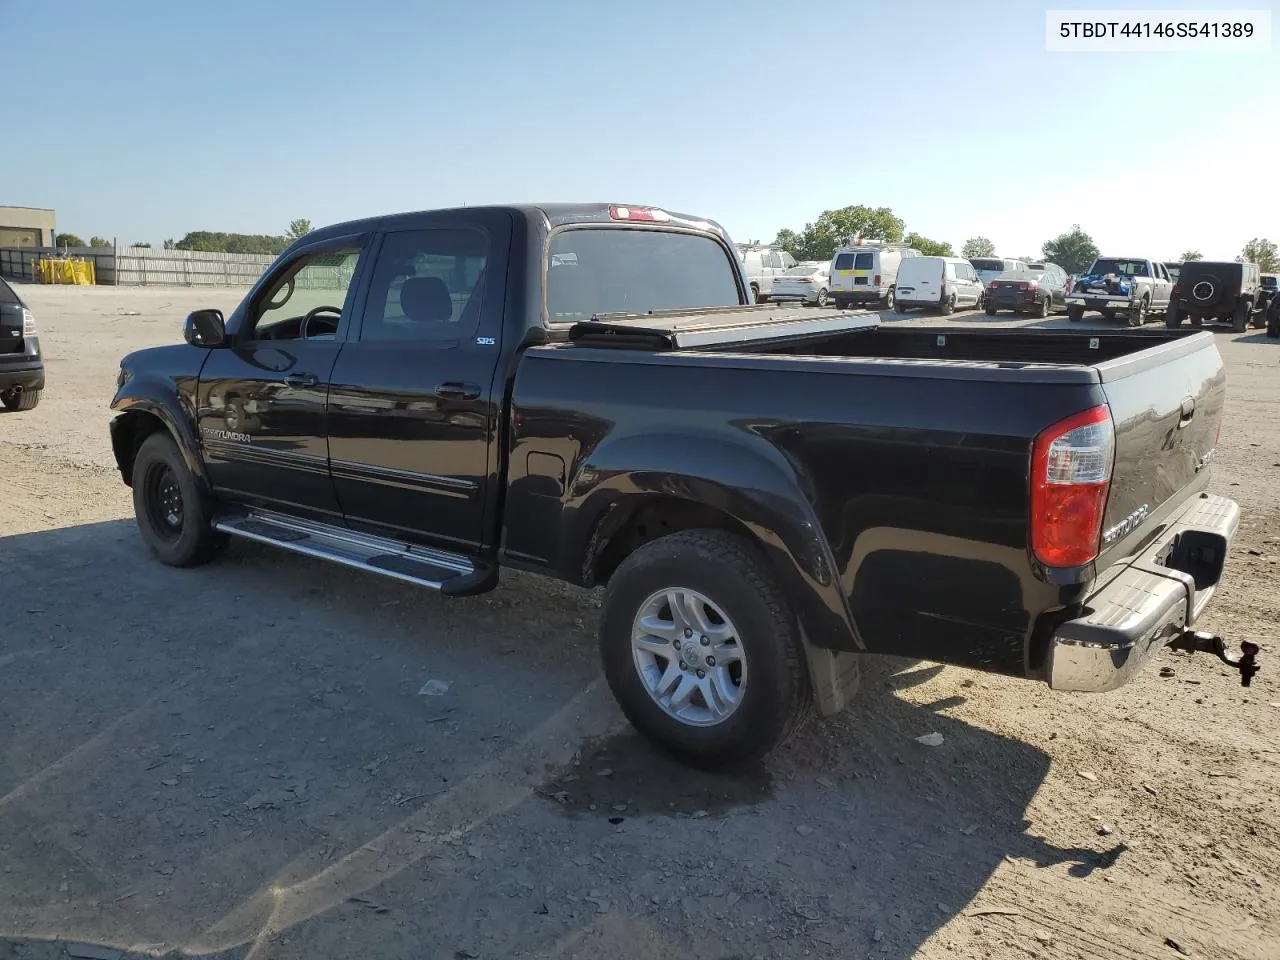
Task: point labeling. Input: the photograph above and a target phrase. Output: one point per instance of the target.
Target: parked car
(808, 282)
(1130, 286)
(1267, 286)
(1038, 290)
(1225, 291)
(867, 273)
(943, 283)
(583, 391)
(21, 366)
(763, 265)
(991, 267)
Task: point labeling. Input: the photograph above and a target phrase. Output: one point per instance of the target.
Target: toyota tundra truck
(564, 389)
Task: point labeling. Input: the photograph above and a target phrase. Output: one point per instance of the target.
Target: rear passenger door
(413, 403)
(1162, 286)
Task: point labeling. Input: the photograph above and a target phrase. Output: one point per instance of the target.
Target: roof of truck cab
(554, 214)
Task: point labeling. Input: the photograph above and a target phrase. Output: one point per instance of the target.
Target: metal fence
(19, 263)
(188, 268)
(144, 266)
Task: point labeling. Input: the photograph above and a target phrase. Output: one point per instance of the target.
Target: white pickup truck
(1134, 287)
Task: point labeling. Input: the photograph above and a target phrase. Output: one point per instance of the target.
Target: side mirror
(205, 328)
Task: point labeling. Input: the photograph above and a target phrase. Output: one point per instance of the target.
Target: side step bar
(440, 570)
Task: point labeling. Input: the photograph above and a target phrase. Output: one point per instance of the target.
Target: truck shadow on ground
(180, 740)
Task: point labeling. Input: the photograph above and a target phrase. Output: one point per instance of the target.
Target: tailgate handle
(1188, 411)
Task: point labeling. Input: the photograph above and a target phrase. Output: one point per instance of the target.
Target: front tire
(889, 299)
(990, 311)
(20, 399)
(174, 516)
(663, 602)
(755, 294)
(1173, 319)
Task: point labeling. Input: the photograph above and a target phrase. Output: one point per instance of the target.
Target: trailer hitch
(1193, 641)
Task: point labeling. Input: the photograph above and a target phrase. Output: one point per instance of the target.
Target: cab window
(307, 300)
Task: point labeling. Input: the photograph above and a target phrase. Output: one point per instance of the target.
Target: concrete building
(26, 227)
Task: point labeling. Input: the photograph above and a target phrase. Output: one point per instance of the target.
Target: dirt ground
(237, 761)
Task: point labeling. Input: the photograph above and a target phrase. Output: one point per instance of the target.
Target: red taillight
(639, 214)
(1177, 287)
(1070, 475)
(805, 280)
(877, 280)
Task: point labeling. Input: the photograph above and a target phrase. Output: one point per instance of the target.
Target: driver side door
(262, 398)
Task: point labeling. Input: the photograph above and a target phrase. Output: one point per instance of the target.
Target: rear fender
(756, 488)
(148, 399)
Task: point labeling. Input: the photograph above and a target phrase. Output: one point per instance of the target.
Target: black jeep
(1217, 290)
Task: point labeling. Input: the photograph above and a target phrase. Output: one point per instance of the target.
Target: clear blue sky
(146, 119)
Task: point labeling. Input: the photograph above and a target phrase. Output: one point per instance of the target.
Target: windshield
(1127, 268)
(593, 272)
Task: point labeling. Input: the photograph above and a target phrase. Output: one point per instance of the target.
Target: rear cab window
(7, 295)
(597, 271)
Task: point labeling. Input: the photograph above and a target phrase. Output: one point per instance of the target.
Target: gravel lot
(236, 761)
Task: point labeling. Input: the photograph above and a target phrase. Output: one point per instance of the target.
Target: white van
(941, 282)
(991, 267)
(761, 265)
(867, 272)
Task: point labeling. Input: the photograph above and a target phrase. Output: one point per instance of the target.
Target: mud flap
(834, 676)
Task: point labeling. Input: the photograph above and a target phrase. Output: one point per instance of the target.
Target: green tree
(1191, 255)
(789, 241)
(215, 242)
(1073, 251)
(835, 228)
(144, 245)
(978, 247)
(168, 244)
(930, 248)
(99, 242)
(298, 228)
(67, 240)
(1263, 253)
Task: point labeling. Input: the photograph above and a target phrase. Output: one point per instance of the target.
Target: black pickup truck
(564, 389)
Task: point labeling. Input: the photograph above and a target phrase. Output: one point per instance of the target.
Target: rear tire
(1043, 312)
(20, 399)
(889, 299)
(1172, 319)
(1108, 314)
(771, 689)
(823, 298)
(1075, 314)
(1137, 317)
(989, 311)
(948, 306)
(1240, 317)
(899, 307)
(755, 294)
(174, 517)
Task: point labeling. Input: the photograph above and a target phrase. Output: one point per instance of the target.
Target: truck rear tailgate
(1167, 404)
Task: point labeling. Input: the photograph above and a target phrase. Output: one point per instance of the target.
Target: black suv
(21, 369)
(1217, 290)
